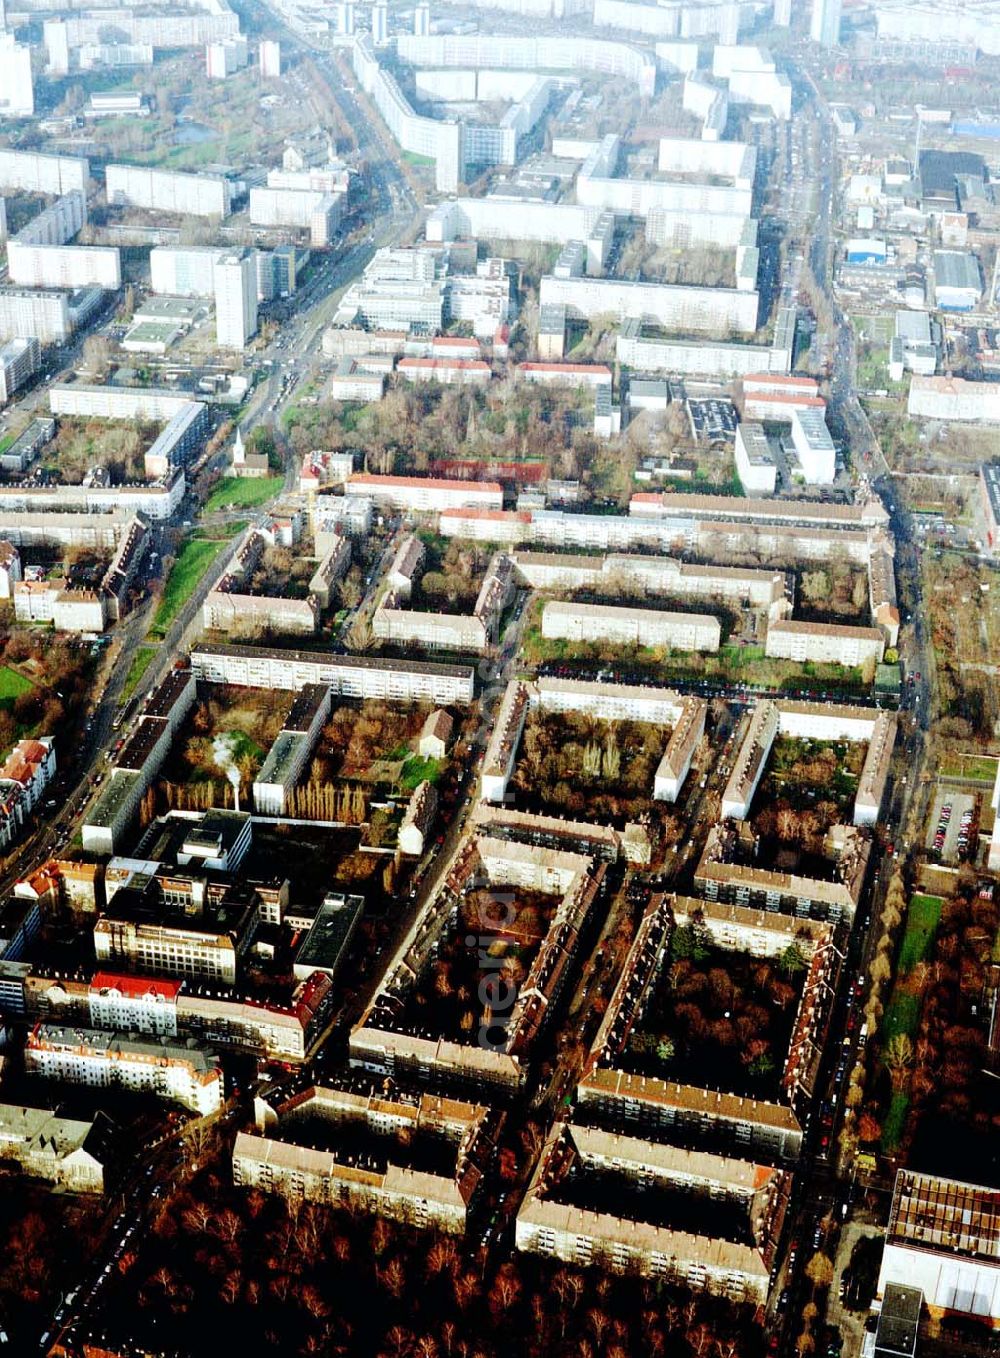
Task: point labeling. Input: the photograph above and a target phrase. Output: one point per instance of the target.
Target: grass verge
(242, 492)
(12, 685)
(192, 561)
(895, 1120)
(141, 662)
(922, 919)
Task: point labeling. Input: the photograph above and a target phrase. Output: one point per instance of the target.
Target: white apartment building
(187, 195)
(270, 59)
(630, 626)
(20, 359)
(163, 948)
(297, 207)
(750, 762)
(349, 676)
(733, 160)
(954, 398)
(184, 1072)
(190, 26)
(755, 462)
(64, 266)
(133, 1004)
(814, 447)
(499, 51)
(824, 27)
(824, 642)
(186, 271)
(711, 310)
(157, 405)
(497, 217)
(44, 316)
(35, 172)
(427, 494)
(235, 299)
(439, 140)
(693, 358)
(58, 223)
(225, 58)
(17, 91)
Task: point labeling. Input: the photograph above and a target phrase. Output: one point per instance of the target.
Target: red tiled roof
(431, 482)
(135, 987)
(501, 515)
(453, 342)
(594, 368)
(776, 379)
(471, 364)
(787, 398)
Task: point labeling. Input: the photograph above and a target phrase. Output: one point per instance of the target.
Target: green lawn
(922, 920)
(417, 770)
(244, 746)
(141, 662)
(245, 492)
(192, 562)
(901, 1015)
(12, 685)
(895, 1120)
(980, 767)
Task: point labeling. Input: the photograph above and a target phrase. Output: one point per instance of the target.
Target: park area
(196, 123)
(226, 729)
(963, 604)
(81, 445)
(43, 682)
(902, 1014)
(451, 575)
(444, 1000)
(375, 743)
(186, 573)
(811, 775)
(718, 1011)
(242, 492)
(363, 747)
(577, 765)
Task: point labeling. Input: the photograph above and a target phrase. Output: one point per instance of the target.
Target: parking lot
(954, 817)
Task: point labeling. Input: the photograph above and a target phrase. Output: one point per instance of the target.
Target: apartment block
(584, 1204)
(829, 643)
(675, 308)
(34, 172)
(750, 761)
(395, 1180)
(349, 676)
(235, 277)
(35, 314)
(20, 359)
(70, 1154)
(814, 447)
(383, 1043)
(183, 1072)
(64, 266)
(631, 626)
(292, 749)
(426, 493)
(187, 271)
(755, 462)
(187, 195)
